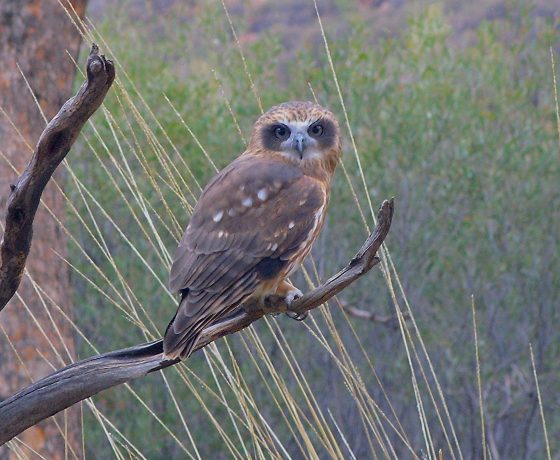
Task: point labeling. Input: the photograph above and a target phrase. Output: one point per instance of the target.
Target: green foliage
(464, 137)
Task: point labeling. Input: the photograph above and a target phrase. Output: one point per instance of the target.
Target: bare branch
(53, 146)
(386, 320)
(90, 376)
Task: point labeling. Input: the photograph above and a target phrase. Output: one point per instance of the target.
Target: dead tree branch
(386, 320)
(88, 377)
(53, 146)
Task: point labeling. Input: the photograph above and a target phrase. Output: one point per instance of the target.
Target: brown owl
(255, 221)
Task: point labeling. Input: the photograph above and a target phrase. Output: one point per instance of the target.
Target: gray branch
(88, 377)
(53, 146)
(388, 320)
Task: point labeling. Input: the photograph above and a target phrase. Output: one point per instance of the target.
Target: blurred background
(449, 107)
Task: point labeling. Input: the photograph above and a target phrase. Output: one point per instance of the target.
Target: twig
(53, 146)
(90, 376)
(387, 320)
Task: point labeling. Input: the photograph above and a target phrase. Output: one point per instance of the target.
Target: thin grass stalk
(539, 398)
(479, 381)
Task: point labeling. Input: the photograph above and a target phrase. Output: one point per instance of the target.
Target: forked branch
(53, 146)
(90, 376)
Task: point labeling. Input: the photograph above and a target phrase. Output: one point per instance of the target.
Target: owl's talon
(296, 316)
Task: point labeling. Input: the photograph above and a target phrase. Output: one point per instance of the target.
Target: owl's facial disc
(299, 142)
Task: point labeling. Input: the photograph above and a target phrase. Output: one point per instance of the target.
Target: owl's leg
(290, 293)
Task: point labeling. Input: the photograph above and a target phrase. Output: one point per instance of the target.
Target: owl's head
(302, 133)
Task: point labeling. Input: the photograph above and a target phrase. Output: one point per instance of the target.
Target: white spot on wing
(231, 212)
(247, 202)
(218, 216)
(220, 234)
(275, 246)
(262, 194)
(291, 225)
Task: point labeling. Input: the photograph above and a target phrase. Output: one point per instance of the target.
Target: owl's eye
(315, 130)
(281, 132)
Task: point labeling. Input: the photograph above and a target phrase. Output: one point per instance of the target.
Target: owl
(255, 221)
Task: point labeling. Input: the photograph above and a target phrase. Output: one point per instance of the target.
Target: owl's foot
(292, 295)
(290, 298)
(289, 294)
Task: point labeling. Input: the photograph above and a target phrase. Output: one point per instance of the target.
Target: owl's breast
(305, 247)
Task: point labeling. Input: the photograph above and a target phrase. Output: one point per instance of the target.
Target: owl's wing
(249, 223)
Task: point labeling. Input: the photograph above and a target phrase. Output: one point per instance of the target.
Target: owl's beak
(299, 143)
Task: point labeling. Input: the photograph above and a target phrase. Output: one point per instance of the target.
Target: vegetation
(465, 137)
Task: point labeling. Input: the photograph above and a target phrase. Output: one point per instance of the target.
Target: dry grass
(290, 420)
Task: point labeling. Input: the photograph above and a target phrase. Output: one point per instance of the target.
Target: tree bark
(33, 35)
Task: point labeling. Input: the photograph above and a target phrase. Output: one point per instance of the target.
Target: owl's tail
(182, 333)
